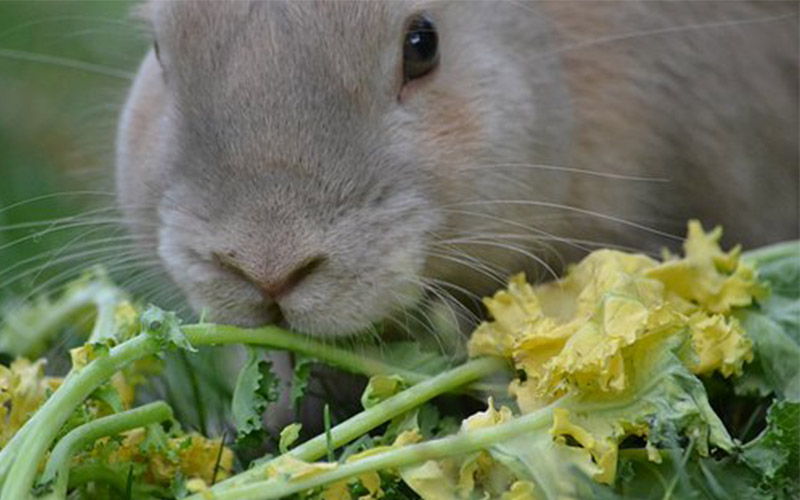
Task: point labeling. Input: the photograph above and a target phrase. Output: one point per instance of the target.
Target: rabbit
(328, 165)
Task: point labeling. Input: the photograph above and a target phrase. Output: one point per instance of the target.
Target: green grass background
(63, 67)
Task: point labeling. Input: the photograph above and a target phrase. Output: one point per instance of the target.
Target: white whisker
(573, 170)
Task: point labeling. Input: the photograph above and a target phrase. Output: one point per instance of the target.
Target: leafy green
(155, 440)
(109, 395)
(664, 400)
(381, 387)
(765, 469)
(256, 389)
(774, 327)
(656, 437)
(300, 378)
(165, 327)
(775, 454)
(680, 475)
(289, 435)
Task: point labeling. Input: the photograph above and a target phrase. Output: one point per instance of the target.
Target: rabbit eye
(421, 48)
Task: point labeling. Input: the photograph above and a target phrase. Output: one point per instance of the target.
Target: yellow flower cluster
(456, 478)
(576, 334)
(600, 337)
(23, 389)
(193, 455)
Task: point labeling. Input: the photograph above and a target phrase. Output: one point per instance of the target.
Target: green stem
(198, 399)
(106, 298)
(382, 412)
(278, 338)
(60, 459)
(20, 458)
(22, 340)
(681, 467)
(36, 438)
(459, 444)
(103, 296)
(98, 473)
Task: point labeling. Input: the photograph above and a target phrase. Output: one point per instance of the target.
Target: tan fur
(282, 131)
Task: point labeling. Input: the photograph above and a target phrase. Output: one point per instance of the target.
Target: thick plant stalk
(382, 412)
(36, 438)
(278, 338)
(459, 444)
(104, 297)
(58, 465)
(19, 459)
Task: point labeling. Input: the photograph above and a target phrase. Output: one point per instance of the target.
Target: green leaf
(289, 435)
(774, 327)
(300, 379)
(776, 452)
(779, 265)
(178, 486)
(256, 388)
(698, 478)
(765, 469)
(664, 398)
(774, 368)
(41, 489)
(381, 387)
(109, 395)
(166, 328)
(85, 354)
(155, 441)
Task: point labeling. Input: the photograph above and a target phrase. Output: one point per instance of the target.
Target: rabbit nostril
(272, 287)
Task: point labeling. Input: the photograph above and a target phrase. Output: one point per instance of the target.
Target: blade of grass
(328, 439)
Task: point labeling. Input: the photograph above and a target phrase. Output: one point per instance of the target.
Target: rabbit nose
(274, 286)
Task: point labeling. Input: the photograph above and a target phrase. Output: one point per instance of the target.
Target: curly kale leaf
(257, 387)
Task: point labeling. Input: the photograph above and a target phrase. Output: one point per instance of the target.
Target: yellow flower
(721, 344)
(195, 457)
(295, 469)
(336, 491)
(23, 389)
(433, 480)
(200, 457)
(520, 490)
(513, 309)
(603, 449)
(570, 335)
(708, 277)
(487, 418)
(595, 335)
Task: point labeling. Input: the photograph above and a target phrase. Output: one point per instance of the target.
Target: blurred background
(64, 70)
